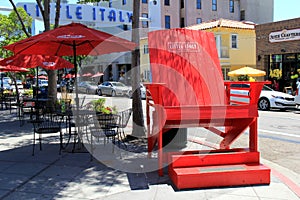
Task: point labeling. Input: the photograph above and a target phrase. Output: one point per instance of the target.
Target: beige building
(235, 42)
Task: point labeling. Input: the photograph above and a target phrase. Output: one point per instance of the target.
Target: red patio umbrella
(97, 74)
(43, 77)
(72, 39)
(29, 76)
(13, 69)
(87, 75)
(68, 76)
(32, 61)
(71, 76)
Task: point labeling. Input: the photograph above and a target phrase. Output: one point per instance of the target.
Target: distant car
(297, 97)
(143, 92)
(7, 79)
(68, 84)
(112, 88)
(87, 87)
(5, 86)
(271, 99)
(43, 83)
(19, 82)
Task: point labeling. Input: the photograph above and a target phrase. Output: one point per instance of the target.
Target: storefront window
(276, 58)
(289, 57)
(276, 71)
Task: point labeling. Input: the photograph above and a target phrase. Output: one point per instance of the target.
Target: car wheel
(99, 92)
(113, 93)
(130, 94)
(264, 104)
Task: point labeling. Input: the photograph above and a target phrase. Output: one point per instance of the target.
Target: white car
(269, 98)
(297, 97)
(297, 101)
(143, 92)
(112, 88)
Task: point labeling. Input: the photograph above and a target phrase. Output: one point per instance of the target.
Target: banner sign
(81, 13)
(284, 35)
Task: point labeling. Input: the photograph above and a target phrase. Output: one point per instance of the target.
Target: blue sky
(284, 9)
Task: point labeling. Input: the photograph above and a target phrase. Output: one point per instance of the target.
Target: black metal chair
(26, 109)
(125, 116)
(46, 123)
(106, 127)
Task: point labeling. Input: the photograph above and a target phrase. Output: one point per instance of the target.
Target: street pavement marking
(279, 133)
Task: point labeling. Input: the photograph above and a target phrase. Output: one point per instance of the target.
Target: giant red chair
(188, 90)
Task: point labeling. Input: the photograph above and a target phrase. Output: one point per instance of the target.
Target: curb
(286, 176)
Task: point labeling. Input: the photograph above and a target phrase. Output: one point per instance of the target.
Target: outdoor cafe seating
(47, 122)
(109, 127)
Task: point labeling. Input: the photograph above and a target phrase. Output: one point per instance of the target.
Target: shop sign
(284, 35)
(81, 12)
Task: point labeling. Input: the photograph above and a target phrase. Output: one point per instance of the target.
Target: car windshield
(118, 84)
(266, 88)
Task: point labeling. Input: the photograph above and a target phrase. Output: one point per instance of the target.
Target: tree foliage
(11, 29)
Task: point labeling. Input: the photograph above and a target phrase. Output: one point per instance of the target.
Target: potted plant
(100, 107)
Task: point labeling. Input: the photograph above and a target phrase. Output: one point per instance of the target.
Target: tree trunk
(138, 118)
(52, 75)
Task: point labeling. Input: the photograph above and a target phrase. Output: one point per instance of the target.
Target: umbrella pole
(76, 85)
(2, 91)
(37, 83)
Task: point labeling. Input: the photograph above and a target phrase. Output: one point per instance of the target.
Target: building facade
(278, 51)
(115, 17)
(234, 40)
(182, 13)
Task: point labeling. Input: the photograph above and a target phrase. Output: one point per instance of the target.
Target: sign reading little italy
(100, 16)
(284, 35)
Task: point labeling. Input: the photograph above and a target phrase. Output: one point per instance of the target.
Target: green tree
(44, 6)
(12, 29)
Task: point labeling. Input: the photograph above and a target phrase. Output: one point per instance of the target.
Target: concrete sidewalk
(48, 175)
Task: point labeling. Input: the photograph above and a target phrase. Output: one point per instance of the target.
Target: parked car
(5, 86)
(297, 97)
(43, 83)
(143, 92)
(269, 98)
(112, 88)
(297, 101)
(68, 84)
(7, 79)
(87, 87)
(19, 84)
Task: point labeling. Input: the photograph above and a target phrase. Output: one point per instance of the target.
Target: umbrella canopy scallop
(32, 61)
(13, 69)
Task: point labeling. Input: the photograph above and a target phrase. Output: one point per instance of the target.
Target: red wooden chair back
(190, 78)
